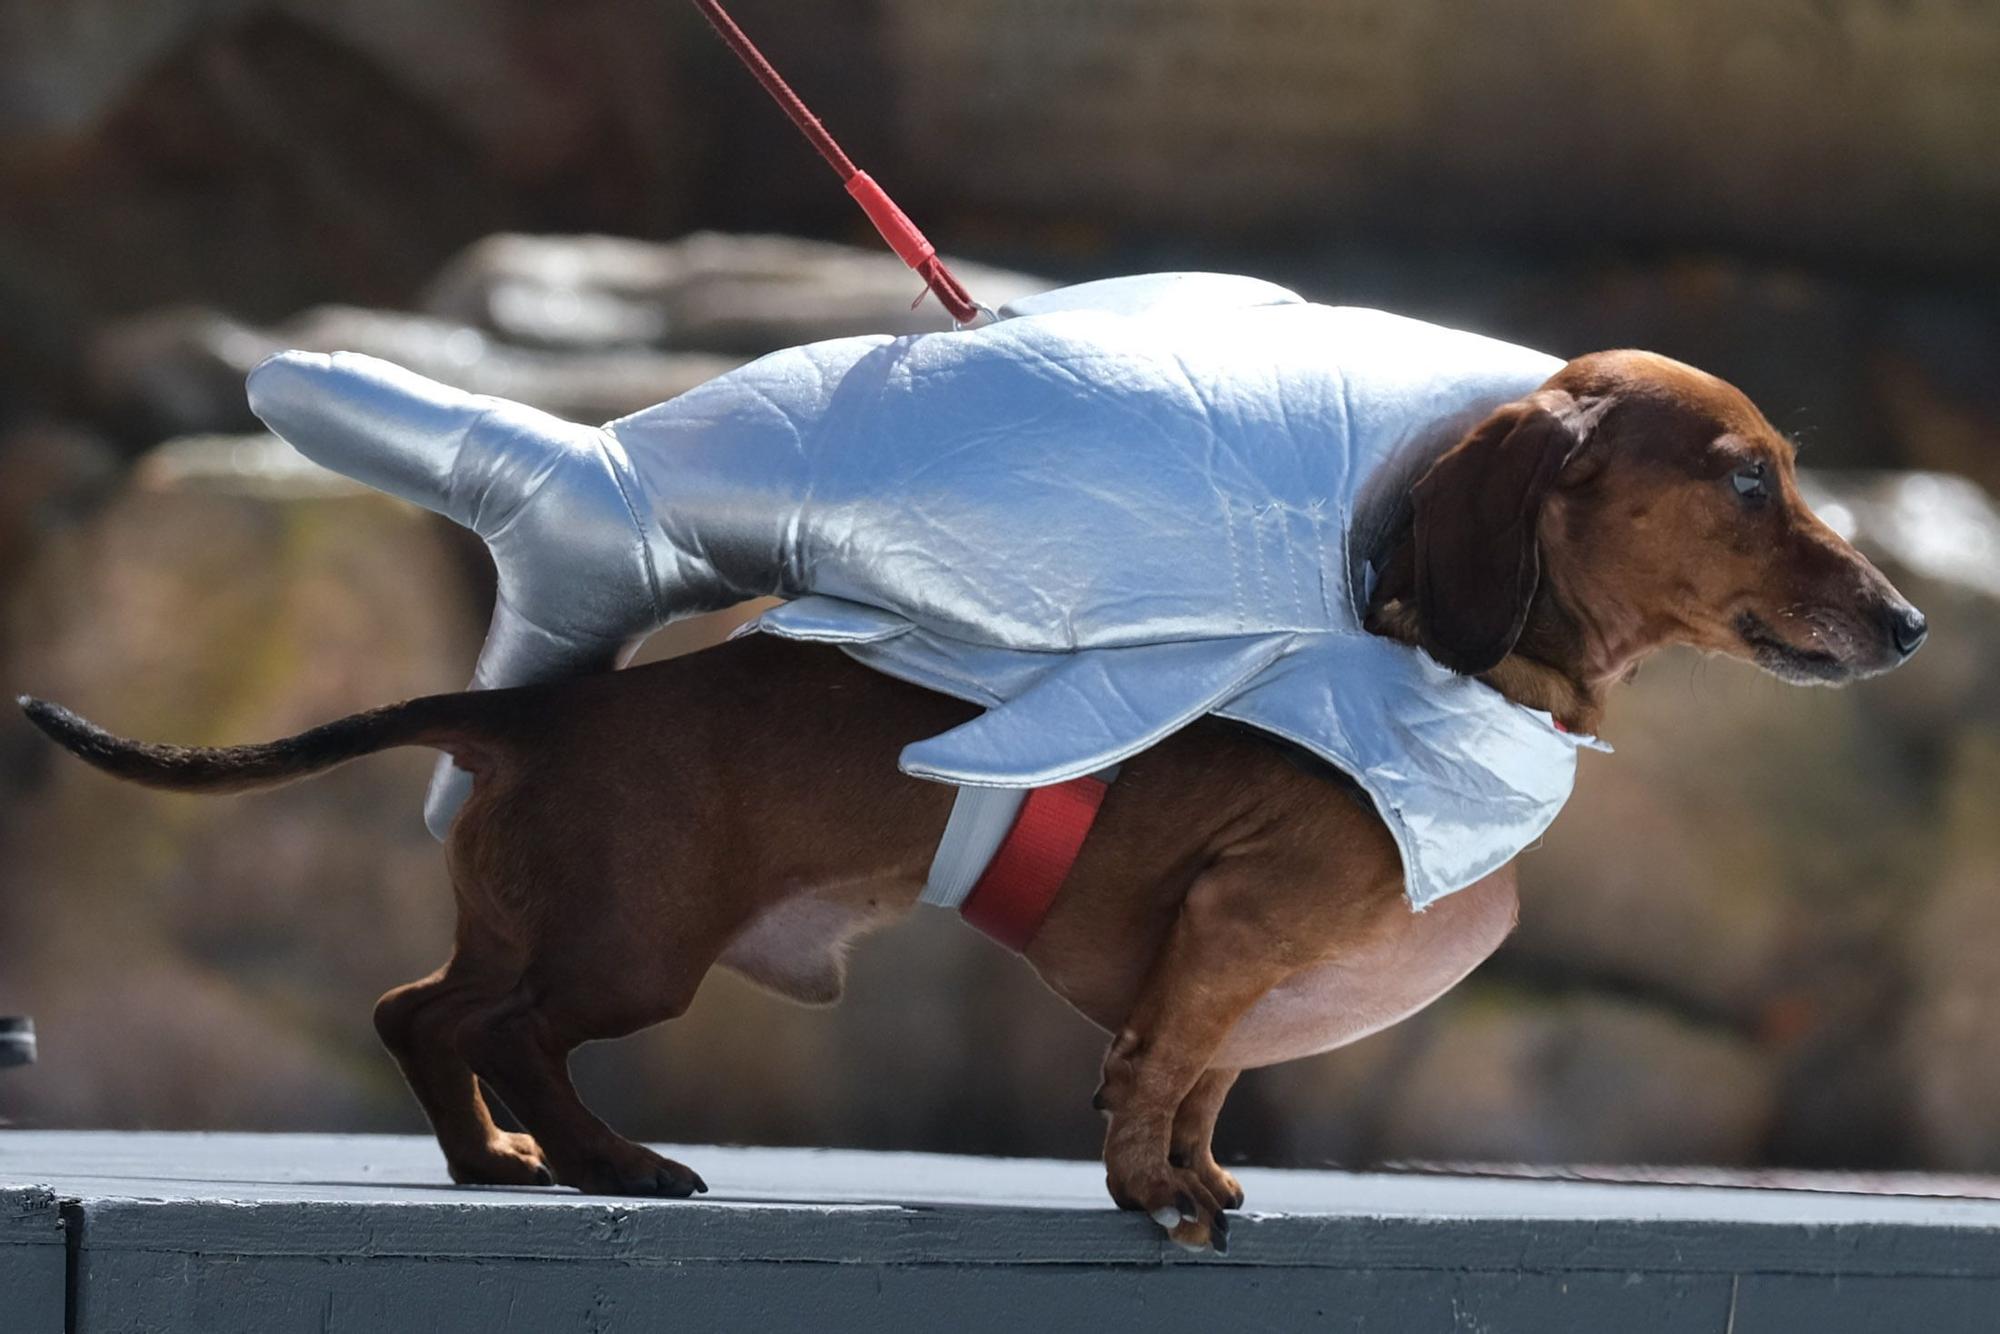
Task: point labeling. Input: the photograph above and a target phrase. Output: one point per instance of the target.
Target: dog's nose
(1908, 628)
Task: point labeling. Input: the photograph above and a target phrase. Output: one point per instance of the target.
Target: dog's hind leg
(523, 1054)
(418, 1023)
(604, 958)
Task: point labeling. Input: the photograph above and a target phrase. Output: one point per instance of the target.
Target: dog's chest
(1339, 1001)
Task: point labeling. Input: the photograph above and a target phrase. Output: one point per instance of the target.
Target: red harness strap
(1013, 895)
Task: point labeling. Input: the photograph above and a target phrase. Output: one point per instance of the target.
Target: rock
(589, 328)
(180, 371)
(258, 464)
(708, 291)
(175, 370)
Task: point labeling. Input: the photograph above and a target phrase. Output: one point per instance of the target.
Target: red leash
(1014, 893)
(896, 228)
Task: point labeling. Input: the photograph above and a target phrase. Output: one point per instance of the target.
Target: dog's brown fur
(1232, 907)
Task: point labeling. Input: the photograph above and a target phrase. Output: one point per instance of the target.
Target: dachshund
(1235, 904)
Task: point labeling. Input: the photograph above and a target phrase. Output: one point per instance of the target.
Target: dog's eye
(1749, 482)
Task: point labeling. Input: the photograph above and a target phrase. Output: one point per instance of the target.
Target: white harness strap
(980, 820)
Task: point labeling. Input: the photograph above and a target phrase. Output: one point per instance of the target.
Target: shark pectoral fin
(1097, 707)
(829, 620)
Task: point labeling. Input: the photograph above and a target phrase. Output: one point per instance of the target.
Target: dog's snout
(1907, 628)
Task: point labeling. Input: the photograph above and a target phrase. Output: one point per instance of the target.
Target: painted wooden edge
(34, 1260)
(681, 1233)
(30, 1216)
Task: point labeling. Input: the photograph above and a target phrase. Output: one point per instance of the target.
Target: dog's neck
(1554, 666)
(1563, 663)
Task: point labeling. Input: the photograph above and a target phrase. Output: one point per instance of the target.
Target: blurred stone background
(1767, 931)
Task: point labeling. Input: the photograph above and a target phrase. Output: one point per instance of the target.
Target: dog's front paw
(1228, 1192)
(508, 1159)
(1178, 1200)
(636, 1170)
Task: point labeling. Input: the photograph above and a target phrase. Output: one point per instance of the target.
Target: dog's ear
(1476, 559)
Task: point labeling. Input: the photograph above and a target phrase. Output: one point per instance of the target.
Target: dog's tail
(446, 722)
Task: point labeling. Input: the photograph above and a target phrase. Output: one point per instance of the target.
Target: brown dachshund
(1233, 907)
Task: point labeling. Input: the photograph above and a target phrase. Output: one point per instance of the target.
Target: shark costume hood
(1121, 506)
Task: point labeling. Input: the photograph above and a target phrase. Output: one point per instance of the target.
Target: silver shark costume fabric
(1116, 509)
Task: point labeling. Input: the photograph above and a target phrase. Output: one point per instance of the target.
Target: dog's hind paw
(638, 1171)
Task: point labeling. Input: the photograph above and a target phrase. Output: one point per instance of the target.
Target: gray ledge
(180, 1232)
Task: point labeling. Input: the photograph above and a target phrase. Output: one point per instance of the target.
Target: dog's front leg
(1194, 1133)
(1228, 947)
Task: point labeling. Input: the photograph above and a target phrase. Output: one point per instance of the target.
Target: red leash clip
(894, 225)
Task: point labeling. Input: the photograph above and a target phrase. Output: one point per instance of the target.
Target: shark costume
(1115, 509)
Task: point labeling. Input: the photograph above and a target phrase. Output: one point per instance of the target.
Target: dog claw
(1218, 1233)
(1185, 1203)
(544, 1177)
(1167, 1218)
(675, 1186)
